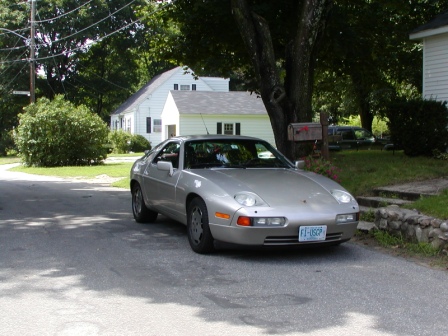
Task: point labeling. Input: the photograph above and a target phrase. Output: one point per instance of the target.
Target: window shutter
(219, 128)
(238, 129)
(176, 86)
(193, 87)
(148, 125)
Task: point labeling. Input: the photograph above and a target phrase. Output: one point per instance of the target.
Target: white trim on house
(428, 33)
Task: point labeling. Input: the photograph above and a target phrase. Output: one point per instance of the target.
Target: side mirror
(166, 166)
(299, 164)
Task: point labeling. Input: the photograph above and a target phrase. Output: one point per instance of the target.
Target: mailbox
(304, 132)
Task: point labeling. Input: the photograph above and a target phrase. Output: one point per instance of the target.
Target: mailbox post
(324, 149)
(307, 132)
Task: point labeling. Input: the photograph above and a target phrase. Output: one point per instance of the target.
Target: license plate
(312, 233)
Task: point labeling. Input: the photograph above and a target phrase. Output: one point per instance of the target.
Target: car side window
(169, 153)
(346, 134)
(362, 134)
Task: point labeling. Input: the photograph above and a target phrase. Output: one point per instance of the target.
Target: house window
(157, 125)
(176, 86)
(185, 87)
(148, 125)
(128, 127)
(228, 129)
(193, 87)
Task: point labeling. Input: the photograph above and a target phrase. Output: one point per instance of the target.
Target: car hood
(277, 187)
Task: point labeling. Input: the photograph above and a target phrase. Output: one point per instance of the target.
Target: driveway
(74, 262)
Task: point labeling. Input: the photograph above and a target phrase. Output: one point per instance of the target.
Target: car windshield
(233, 153)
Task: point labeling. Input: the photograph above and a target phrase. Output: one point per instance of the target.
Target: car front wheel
(198, 229)
(141, 213)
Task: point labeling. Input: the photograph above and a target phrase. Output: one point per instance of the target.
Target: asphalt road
(73, 262)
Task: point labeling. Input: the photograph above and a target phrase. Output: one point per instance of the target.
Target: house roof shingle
(225, 103)
(439, 21)
(137, 98)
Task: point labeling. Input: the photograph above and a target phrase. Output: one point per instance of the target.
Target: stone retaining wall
(413, 225)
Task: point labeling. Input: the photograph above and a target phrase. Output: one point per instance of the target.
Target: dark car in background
(353, 137)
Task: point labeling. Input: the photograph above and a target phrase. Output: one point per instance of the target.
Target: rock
(444, 226)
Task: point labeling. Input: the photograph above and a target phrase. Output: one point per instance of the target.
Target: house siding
(435, 67)
(170, 116)
(217, 84)
(152, 104)
(257, 126)
(153, 107)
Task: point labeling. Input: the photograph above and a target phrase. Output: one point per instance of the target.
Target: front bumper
(278, 236)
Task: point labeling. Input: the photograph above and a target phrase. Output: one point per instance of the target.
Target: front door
(159, 184)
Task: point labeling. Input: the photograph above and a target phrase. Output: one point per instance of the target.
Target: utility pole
(32, 54)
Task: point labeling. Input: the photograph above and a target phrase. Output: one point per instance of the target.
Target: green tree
(58, 133)
(84, 50)
(367, 59)
(272, 43)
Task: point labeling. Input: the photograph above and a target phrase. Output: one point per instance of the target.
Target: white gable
(142, 112)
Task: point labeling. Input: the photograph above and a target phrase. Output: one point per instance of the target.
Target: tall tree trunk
(362, 91)
(290, 101)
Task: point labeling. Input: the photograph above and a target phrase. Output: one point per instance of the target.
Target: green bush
(121, 141)
(6, 142)
(139, 143)
(419, 126)
(124, 142)
(57, 133)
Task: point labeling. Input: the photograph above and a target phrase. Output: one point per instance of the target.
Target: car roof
(213, 137)
(345, 127)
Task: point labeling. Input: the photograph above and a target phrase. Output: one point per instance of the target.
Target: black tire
(141, 213)
(198, 229)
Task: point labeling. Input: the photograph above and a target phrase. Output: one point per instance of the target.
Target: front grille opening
(294, 240)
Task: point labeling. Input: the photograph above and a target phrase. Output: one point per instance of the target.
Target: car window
(346, 134)
(263, 152)
(231, 153)
(169, 153)
(362, 134)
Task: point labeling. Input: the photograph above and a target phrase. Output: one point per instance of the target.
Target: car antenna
(204, 123)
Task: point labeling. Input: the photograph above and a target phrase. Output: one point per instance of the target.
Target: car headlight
(347, 218)
(261, 221)
(248, 199)
(342, 196)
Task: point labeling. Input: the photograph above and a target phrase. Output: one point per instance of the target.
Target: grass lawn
(361, 171)
(9, 159)
(115, 169)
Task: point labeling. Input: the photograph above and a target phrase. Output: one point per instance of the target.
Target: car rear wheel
(198, 229)
(141, 213)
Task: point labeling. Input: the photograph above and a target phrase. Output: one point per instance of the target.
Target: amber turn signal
(244, 221)
(222, 215)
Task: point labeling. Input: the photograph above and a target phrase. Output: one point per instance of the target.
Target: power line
(102, 78)
(56, 67)
(65, 14)
(94, 24)
(76, 33)
(68, 52)
(13, 79)
(15, 31)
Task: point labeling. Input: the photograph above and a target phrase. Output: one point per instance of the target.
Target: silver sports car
(239, 190)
